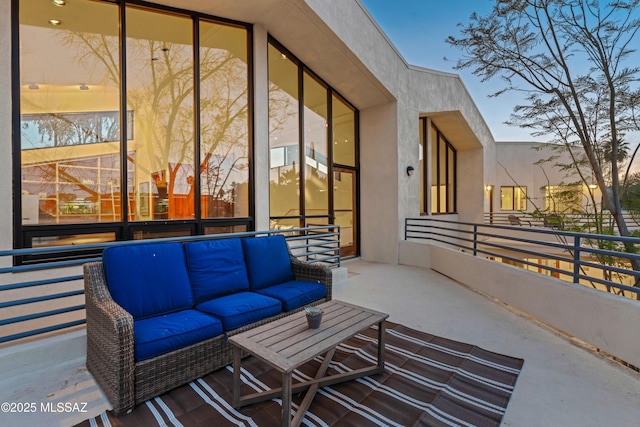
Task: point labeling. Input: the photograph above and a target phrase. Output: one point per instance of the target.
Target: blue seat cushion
(161, 334)
(237, 310)
(267, 261)
(148, 279)
(216, 268)
(295, 293)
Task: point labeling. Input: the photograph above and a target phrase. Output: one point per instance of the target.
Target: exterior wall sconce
(410, 170)
(488, 187)
(593, 186)
(84, 87)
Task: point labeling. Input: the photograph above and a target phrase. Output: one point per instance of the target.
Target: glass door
(344, 202)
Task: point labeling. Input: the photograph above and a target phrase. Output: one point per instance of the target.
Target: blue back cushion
(216, 268)
(267, 261)
(148, 279)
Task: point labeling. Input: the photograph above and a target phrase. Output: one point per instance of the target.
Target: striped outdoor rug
(428, 381)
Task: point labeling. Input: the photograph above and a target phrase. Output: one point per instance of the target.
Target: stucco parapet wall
(593, 316)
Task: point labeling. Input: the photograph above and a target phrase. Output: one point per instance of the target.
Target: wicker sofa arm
(110, 353)
(312, 273)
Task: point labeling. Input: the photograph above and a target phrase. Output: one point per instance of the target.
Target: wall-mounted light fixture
(410, 170)
(593, 186)
(33, 86)
(488, 187)
(55, 22)
(84, 86)
(59, 3)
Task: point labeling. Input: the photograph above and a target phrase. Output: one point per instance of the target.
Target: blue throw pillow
(148, 279)
(267, 261)
(216, 268)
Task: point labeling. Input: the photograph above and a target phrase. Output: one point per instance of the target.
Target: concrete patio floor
(562, 382)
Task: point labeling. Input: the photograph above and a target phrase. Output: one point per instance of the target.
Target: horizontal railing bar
(39, 331)
(41, 298)
(39, 282)
(484, 244)
(41, 315)
(46, 266)
(612, 268)
(530, 263)
(609, 283)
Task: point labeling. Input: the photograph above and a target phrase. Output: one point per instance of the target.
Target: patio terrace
(563, 382)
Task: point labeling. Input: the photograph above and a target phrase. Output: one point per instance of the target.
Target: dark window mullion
(301, 145)
(124, 160)
(197, 204)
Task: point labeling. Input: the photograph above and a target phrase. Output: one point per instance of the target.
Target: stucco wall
(596, 317)
(261, 128)
(378, 183)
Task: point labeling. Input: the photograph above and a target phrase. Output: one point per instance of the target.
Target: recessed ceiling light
(59, 3)
(55, 22)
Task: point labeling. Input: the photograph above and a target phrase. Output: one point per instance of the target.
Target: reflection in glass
(160, 92)
(315, 147)
(435, 207)
(69, 108)
(224, 121)
(344, 132)
(443, 174)
(284, 139)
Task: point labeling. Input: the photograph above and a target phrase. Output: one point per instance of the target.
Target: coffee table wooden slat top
(288, 342)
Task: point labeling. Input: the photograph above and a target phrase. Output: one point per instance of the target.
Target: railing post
(406, 223)
(576, 259)
(475, 240)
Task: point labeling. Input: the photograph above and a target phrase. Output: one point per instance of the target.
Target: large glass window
(69, 114)
(284, 140)
(344, 132)
(159, 49)
(224, 121)
(174, 146)
(564, 199)
(316, 180)
(443, 173)
(313, 151)
(513, 198)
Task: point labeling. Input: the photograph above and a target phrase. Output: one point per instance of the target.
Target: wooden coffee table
(287, 343)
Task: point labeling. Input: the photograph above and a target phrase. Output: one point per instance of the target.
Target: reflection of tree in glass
(160, 90)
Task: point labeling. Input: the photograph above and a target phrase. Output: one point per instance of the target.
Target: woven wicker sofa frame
(110, 355)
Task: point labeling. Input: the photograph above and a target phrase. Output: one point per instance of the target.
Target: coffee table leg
(286, 399)
(237, 353)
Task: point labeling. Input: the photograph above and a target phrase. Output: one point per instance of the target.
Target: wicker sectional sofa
(159, 314)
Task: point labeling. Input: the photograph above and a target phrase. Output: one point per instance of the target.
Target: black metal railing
(599, 261)
(44, 297)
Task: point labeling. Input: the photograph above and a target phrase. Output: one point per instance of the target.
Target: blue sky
(418, 29)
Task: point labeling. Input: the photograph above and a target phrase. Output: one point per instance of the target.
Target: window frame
(522, 189)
